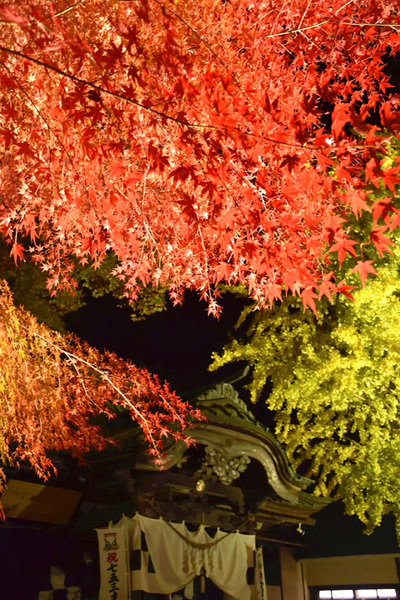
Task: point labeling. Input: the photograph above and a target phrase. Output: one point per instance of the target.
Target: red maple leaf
(390, 177)
(381, 242)
(17, 252)
(290, 161)
(363, 267)
(308, 297)
(345, 289)
(340, 117)
(342, 247)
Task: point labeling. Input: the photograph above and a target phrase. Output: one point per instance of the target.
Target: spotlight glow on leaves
(189, 139)
(52, 387)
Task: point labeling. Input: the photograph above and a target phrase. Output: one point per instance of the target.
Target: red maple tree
(191, 140)
(53, 388)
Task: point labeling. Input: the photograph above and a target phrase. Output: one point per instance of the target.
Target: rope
(187, 540)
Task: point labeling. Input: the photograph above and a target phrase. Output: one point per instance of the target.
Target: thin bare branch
(69, 8)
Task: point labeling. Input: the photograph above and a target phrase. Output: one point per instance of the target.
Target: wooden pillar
(292, 582)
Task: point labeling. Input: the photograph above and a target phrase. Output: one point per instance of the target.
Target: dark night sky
(175, 344)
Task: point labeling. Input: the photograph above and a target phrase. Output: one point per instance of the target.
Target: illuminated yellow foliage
(336, 390)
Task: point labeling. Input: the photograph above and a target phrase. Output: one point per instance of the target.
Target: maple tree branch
(75, 366)
(68, 9)
(283, 33)
(205, 256)
(390, 25)
(300, 29)
(73, 358)
(311, 41)
(101, 89)
(41, 115)
(203, 41)
(304, 14)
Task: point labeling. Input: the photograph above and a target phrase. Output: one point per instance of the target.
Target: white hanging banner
(259, 575)
(166, 557)
(113, 555)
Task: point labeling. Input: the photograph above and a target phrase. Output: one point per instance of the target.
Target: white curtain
(166, 557)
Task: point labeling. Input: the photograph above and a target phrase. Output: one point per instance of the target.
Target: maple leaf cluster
(190, 139)
(52, 388)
